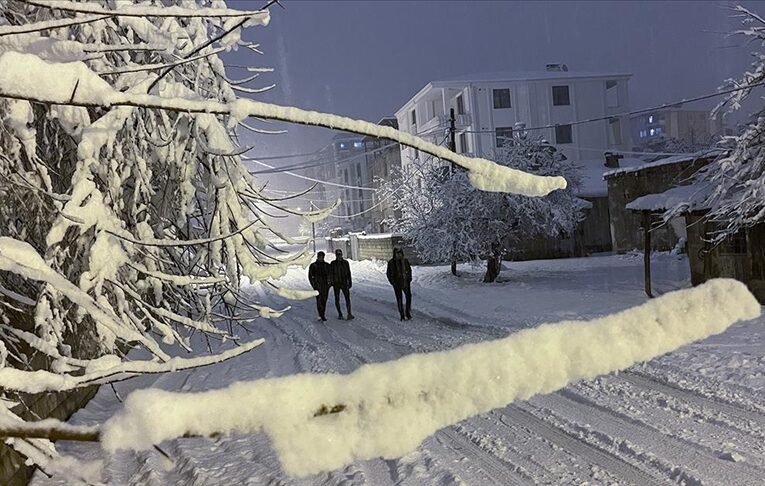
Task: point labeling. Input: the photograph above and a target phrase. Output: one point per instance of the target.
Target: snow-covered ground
(695, 416)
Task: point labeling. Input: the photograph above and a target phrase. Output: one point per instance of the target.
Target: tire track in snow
(647, 381)
(611, 463)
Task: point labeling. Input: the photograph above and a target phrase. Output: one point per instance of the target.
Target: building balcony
(442, 122)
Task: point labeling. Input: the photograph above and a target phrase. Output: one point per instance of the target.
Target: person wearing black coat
(341, 282)
(319, 274)
(399, 274)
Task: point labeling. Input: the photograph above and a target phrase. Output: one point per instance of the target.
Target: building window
(342, 145)
(612, 94)
(504, 136)
(615, 127)
(560, 96)
(413, 116)
(501, 98)
(463, 143)
(563, 134)
(460, 105)
(358, 144)
(650, 118)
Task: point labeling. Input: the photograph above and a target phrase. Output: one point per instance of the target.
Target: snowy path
(694, 416)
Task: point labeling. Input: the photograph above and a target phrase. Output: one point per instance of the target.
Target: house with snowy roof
(740, 256)
(626, 184)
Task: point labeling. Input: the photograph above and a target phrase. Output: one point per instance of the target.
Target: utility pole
(452, 134)
(313, 230)
(453, 148)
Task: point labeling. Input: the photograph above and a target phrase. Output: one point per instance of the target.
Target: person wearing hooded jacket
(340, 271)
(319, 277)
(399, 273)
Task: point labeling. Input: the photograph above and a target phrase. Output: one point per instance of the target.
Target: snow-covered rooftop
(675, 159)
(591, 171)
(690, 197)
(528, 76)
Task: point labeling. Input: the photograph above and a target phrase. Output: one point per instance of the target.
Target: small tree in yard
(446, 218)
(737, 200)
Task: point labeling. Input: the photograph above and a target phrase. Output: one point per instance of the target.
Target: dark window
(414, 117)
(460, 105)
(501, 98)
(463, 143)
(504, 135)
(563, 134)
(560, 96)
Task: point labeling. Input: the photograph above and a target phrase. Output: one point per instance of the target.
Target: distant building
(489, 107)
(383, 160)
(694, 127)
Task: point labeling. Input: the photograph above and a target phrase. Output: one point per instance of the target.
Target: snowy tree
(737, 200)
(447, 219)
(127, 218)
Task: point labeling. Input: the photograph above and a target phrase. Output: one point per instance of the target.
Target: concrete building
(490, 107)
(383, 160)
(694, 127)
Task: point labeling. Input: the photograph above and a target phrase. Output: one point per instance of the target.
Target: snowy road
(696, 416)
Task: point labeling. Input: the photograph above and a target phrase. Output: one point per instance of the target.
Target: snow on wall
(320, 422)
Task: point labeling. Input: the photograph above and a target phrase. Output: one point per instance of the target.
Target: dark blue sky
(364, 59)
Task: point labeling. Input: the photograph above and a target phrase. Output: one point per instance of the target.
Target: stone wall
(368, 247)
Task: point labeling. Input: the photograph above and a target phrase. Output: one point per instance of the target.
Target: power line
(299, 176)
(636, 112)
(318, 162)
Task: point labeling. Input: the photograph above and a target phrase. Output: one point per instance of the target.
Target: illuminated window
(358, 144)
(650, 118)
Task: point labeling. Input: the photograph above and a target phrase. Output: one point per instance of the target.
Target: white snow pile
(320, 422)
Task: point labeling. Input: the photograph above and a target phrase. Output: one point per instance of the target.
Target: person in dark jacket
(341, 282)
(399, 274)
(319, 276)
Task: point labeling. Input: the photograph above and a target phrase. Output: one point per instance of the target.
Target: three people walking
(399, 275)
(323, 275)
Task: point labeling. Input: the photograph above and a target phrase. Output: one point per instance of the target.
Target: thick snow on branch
(77, 85)
(126, 8)
(108, 369)
(319, 422)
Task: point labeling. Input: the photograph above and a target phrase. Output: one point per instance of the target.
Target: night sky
(365, 59)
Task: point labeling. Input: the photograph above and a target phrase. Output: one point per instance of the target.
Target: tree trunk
(454, 268)
(493, 265)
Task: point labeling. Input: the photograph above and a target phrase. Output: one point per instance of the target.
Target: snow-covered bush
(448, 219)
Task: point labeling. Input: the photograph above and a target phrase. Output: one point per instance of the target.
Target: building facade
(694, 127)
(489, 108)
(383, 161)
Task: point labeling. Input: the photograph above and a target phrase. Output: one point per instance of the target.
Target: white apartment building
(490, 107)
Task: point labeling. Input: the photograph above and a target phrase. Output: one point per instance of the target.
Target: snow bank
(322, 422)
